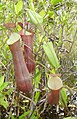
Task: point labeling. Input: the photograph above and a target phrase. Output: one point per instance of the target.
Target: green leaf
(1, 80)
(70, 118)
(1, 95)
(54, 2)
(33, 117)
(63, 97)
(51, 13)
(31, 5)
(13, 117)
(4, 85)
(24, 115)
(35, 17)
(9, 91)
(37, 78)
(13, 38)
(42, 13)
(50, 52)
(18, 6)
(3, 103)
(1, 7)
(37, 96)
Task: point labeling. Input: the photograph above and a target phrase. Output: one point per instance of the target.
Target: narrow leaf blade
(50, 52)
(1, 80)
(4, 103)
(24, 115)
(54, 2)
(34, 17)
(18, 6)
(4, 85)
(63, 97)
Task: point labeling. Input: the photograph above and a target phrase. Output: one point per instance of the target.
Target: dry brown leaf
(10, 25)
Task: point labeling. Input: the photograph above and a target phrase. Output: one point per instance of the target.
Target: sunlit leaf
(42, 13)
(51, 13)
(4, 85)
(54, 2)
(50, 52)
(18, 6)
(1, 80)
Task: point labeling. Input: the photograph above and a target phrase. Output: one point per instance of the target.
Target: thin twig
(27, 98)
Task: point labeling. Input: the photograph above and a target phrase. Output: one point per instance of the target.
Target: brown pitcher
(23, 80)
